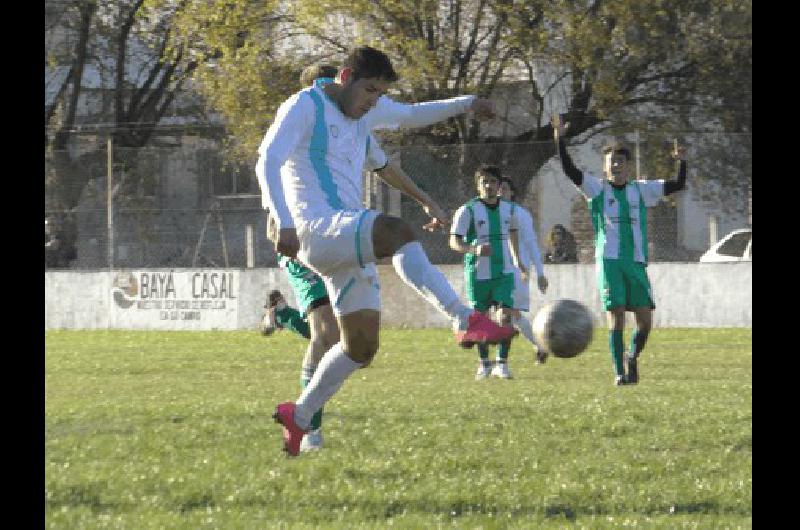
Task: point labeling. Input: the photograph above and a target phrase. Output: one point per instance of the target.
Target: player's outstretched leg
(394, 237)
(523, 325)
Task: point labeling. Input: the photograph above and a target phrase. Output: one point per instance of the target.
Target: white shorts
(339, 248)
(522, 293)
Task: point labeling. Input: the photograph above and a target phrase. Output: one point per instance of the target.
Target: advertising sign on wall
(175, 299)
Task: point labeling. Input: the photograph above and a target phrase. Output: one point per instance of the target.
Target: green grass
(173, 430)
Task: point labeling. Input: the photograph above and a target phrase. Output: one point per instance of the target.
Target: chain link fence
(180, 205)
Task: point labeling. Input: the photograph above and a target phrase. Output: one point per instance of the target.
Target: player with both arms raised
(618, 207)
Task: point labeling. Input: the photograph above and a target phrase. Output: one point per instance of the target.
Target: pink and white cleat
(482, 329)
(292, 434)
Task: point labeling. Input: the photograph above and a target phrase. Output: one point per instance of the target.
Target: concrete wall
(686, 295)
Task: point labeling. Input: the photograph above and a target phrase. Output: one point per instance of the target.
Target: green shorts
(309, 289)
(623, 283)
(482, 294)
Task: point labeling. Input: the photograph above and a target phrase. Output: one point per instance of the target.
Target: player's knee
(362, 351)
(389, 234)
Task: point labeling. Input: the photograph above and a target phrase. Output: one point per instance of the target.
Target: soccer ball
(563, 328)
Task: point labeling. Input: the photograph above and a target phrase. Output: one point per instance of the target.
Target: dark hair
(487, 170)
(367, 62)
(511, 186)
(617, 148)
(315, 71)
(273, 297)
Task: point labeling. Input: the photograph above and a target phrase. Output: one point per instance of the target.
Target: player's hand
(678, 151)
(288, 244)
(483, 108)
(483, 250)
(559, 128)
(541, 281)
(523, 273)
(439, 219)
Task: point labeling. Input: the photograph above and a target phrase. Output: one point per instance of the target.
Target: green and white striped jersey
(619, 216)
(480, 224)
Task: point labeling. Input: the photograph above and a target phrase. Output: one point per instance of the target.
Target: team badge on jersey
(334, 131)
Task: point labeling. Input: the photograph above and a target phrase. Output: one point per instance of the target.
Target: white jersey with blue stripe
(312, 157)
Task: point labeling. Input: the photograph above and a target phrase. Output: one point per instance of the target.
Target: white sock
(524, 327)
(414, 268)
(331, 372)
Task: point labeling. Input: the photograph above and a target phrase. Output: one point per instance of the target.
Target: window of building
(233, 179)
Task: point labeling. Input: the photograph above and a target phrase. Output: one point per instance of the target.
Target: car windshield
(736, 245)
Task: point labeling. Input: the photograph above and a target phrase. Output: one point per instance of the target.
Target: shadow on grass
(197, 502)
(87, 495)
(376, 511)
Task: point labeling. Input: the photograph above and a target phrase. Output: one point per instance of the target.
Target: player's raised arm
(389, 113)
(679, 154)
(394, 176)
(574, 174)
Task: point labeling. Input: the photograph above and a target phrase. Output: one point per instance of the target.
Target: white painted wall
(686, 295)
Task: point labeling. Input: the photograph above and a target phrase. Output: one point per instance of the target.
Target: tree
(112, 36)
(620, 64)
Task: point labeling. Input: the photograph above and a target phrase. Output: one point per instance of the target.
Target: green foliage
(657, 65)
(173, 430)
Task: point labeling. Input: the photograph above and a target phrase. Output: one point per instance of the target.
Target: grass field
(173, 430)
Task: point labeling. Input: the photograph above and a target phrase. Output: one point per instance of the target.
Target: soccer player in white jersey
(529, 253)
(618, 207)
(485, 231)
(310, 172)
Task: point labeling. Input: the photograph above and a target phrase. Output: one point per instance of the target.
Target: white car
(736, 246)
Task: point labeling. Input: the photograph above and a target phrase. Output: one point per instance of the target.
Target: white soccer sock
(331, 372)
(524, 327)
(414, 268)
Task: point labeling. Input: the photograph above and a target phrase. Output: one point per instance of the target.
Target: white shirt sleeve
(591, 186)
(292, 121)
(461, 221)
(652, 191)
(531, 242)
(376, 157)
(389, 114)
(514, 220)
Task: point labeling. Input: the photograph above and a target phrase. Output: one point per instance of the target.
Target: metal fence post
(110, 202)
